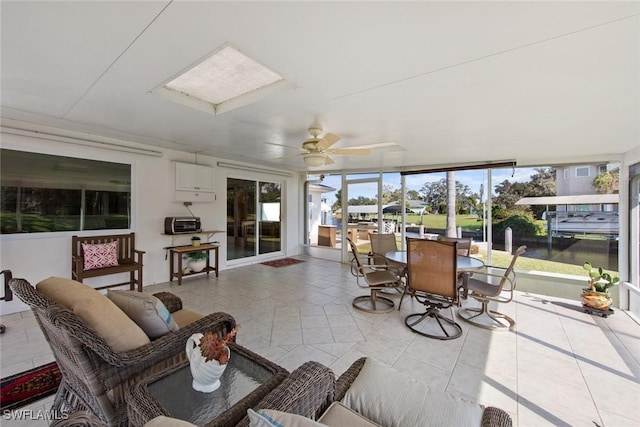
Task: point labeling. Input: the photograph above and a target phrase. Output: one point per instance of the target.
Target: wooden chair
(432, 278)
(129, 259)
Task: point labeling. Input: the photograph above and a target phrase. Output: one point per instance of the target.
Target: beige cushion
(162, 421)
(146, 310)
(393, 399)
(184, 317)
(339, 415)
(97, 311)
(271, 418)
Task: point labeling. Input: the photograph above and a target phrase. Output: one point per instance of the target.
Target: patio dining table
(463, 263)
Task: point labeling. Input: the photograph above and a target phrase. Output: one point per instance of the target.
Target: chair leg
(373, 303)
(493, 320)
(405, 292)
(434, 312)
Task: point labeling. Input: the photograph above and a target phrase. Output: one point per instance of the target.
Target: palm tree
(451, 204)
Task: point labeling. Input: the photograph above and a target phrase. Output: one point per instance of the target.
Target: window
(566, 173)
(603, 169)
(43, 193)
(582, 171)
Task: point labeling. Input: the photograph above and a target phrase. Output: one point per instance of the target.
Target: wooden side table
(183, 250)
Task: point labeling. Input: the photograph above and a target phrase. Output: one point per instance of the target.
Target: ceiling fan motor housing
(310, 144)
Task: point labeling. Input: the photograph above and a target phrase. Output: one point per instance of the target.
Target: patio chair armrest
(495, 417)
(345, 380)
(484, 273)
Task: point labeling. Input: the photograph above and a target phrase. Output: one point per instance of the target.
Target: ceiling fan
(317, 150)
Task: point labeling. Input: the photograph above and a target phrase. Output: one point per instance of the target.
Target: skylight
(223, 80)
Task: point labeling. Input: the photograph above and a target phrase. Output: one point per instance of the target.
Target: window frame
(582, 168)
(87, 157)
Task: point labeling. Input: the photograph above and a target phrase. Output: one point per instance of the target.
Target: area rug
(26, 387)
(282, 262)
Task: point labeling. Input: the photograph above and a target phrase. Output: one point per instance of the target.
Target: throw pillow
(146, 310)
(389, 397)
(97, 311)
(99, 255)
(271, 418)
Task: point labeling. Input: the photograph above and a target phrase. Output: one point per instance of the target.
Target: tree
(607, 182)
(362, 201)
(413, 195)
(391, 194)
(435, 193)
(542, 183)
(508, 193)
(338, 203)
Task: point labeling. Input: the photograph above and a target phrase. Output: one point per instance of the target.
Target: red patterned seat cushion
(100, 255)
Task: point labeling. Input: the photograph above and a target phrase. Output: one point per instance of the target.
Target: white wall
(38, 256)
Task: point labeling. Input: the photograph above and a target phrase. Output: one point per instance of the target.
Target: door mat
(26, 387)
(282, 262)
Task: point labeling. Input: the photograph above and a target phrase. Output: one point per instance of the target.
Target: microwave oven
(182, 224)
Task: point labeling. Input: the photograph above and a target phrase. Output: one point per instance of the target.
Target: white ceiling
(450, 82)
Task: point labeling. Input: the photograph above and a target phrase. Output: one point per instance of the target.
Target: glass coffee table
(248, 378)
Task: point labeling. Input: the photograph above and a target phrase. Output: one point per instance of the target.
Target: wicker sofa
(95, 374)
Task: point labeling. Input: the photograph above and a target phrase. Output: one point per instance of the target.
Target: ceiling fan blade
(351, 151)
(284, 145)
(290, 156)
(328, 161)
(327, 141)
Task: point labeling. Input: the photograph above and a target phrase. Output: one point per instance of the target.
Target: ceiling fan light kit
(314, 160)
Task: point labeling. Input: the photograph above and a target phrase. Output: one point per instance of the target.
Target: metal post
(508, 239)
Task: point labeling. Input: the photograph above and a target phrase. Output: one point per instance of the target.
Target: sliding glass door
(253, 218)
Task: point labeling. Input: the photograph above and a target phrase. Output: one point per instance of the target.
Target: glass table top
(175, 393)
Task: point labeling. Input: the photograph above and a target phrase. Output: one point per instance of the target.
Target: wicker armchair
(307, 391)
(491, 416)
(95, 377)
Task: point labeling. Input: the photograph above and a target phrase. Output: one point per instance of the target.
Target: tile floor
(560, 367)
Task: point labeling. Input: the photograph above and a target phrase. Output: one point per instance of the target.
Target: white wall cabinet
(194, 183)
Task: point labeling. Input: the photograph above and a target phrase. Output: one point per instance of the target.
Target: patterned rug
(282, 262)
(26, 387)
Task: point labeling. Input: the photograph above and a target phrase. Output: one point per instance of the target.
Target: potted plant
(195, 241)
(197, 261)
(597, 294)
(208, 356)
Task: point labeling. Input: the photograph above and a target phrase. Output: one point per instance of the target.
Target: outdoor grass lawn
(439, 221)
(502, 259)
(467, 222)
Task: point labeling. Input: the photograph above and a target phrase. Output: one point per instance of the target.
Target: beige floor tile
(313, 322)
(317, 336)
(302, 354)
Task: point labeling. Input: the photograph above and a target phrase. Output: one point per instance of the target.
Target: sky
(473, 179)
